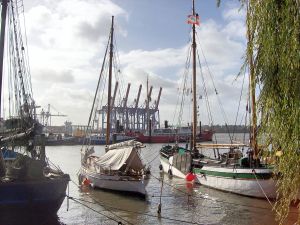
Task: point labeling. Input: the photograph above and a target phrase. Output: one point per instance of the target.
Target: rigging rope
(21, 102)
(95, 101)
(118, 75)
(139, 213)
(183, 88)
(205, 92)
(216, 92)
(253, 171)
(237, 113)
(109, 208)
(215, 200)
(111, 218)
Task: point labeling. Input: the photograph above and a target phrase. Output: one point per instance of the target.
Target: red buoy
(190, 177)
(86, 182)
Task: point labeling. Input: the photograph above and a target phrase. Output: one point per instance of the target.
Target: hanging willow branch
(274, 30)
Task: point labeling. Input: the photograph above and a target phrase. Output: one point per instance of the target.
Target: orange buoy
(86, 182)
(190, 177)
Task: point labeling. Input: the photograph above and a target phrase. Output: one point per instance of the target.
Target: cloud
(67, 40)
(51, 76)
(153, 60)
(235, 16)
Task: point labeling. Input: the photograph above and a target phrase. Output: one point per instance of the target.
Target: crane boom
(138, 97)
(115, 93)
(158, 98)
(126, 97)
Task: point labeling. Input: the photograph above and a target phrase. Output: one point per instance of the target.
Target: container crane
(46, 116)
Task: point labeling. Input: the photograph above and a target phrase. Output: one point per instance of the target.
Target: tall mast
(2, 38)
(194, 85)
(109, 81)
(253, 125)
(253, 105)
(147, 105)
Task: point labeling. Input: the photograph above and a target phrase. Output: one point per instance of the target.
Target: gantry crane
(46, 116)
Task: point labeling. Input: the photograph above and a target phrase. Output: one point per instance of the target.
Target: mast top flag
(193, 19)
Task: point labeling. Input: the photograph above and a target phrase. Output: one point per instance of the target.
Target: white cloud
(235, 16)
(66, 45)
(153, 60)
(66, 42)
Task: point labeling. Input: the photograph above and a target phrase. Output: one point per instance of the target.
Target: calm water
(204, 206)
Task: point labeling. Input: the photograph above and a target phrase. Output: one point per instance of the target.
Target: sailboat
(27, 182)
(232, 172)
(176, 160)
(121, 167)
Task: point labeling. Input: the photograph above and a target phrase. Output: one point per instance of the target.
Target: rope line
(140, 213)
(111, 218)
(215, 200)
(253, 171)
(107, 207)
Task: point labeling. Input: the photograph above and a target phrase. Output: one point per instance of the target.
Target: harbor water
(181, 202)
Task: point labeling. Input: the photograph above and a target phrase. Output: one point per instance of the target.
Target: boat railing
(164, 154)
(220, 146)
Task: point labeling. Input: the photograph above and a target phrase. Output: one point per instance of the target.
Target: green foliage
(274, 39)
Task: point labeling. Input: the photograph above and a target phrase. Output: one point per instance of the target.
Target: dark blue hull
(102, 141)
(41, 196)
(70, 141)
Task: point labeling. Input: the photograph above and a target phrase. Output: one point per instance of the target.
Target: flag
(193, 19)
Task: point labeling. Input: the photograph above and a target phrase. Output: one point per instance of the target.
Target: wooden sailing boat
(233, 172)
(27, 182)
(121, 167)
(175, 160)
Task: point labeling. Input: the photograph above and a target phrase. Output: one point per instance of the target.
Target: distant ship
(170, 135)
(58, 139)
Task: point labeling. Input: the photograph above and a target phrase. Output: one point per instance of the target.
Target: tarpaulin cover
(116, 158)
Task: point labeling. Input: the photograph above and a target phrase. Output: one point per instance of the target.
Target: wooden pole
(194, 85)
(2, 39)
(109, 82)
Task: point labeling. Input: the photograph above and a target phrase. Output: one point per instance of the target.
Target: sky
(67, 39)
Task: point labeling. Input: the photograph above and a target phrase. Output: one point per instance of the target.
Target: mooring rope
(253, 171)
(111, 218)
(124, 210)
(215, 200)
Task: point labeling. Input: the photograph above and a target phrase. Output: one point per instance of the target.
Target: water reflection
(181, 201)
(25, 218)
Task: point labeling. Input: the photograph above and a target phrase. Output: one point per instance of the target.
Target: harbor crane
(46, 116)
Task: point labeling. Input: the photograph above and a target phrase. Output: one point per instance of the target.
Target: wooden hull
(115, 182)
(239, 181)
(256, 183)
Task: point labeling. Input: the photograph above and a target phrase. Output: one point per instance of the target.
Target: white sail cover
(130, 143)
(116, 158)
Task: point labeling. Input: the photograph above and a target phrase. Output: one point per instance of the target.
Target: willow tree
(273, 31)
(273, 43)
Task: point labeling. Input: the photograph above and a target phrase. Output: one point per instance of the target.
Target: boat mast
(253, 139)
(194, 84)
(253, 124)
(2, 39)
(147, 112)
(109, 82)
